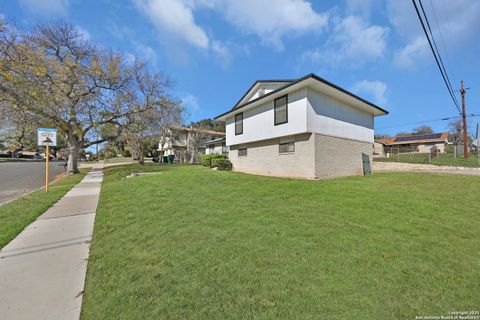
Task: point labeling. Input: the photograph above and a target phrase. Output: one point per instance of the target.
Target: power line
(442, 41)
(442, 71)
(438, 51)
(427, 121)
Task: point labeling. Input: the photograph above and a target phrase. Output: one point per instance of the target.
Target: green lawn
(441, 160)
(16, 215)
(192, 243)
(118, 160)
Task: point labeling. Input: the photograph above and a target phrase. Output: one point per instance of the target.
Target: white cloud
(143, 53)
(46, 7)
(353, 42)
(175, 19)
(191, 102)
(374, 90)
(363, 8)
(84, 34)
(129, 58)
(457, 29)
(273, 21)
(119, 31)
(147, 54)
(222, 53)
(409, 55)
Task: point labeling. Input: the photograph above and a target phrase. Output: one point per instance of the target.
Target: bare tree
(456, 130)
(148, 93)
(167, 119)
(196, 140)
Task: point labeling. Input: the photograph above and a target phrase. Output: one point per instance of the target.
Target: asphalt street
(20, 177)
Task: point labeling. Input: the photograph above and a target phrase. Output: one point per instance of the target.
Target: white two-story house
(306, 128)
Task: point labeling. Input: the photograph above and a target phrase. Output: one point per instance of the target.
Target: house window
(286, 147)
(281, 110)
(242, 152)
(239, 123)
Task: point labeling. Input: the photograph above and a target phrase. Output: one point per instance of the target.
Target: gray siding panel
(263, 157)
(336, 157)
(315, 156)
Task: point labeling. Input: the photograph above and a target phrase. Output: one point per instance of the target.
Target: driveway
(412, 167)
(20, 177)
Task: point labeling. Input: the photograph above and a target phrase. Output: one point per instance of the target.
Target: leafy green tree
(381, 136)
(422, 130)
(209, 124)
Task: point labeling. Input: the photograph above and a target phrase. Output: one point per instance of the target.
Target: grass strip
(19, 213)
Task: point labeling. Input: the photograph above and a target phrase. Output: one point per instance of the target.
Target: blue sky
(215, 49)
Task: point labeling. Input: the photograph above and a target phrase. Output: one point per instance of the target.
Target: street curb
(57, 178)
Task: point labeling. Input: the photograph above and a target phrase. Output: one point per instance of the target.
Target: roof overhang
(222, 139)
(415, 142)
(312, 81)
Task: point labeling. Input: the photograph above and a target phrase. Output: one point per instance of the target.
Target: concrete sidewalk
(42, 270)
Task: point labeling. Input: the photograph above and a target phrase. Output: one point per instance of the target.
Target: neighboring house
(216, 146)
(30, 155)
(308, 128)
(378, 149)
(182, 140)
(422, 143)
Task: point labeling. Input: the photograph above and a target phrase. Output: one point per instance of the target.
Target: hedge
(206, 159)
(222, 164)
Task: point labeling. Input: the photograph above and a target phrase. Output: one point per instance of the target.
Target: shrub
(222, 164)
(206, 159)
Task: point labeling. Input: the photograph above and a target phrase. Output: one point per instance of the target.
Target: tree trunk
(73, 149)
(140, 150)
(192, 159)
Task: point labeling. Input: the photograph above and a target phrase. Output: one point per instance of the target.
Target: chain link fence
(451, 154)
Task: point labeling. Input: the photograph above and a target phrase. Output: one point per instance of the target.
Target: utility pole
(464, 116)
(477, 142)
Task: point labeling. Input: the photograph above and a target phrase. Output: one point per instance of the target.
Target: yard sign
(46, 137)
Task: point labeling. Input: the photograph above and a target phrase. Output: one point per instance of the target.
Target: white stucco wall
(258, 123)
(308, 111)
(332, 117)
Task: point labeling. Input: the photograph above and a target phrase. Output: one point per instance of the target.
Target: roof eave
(236, 108)
(253, 86)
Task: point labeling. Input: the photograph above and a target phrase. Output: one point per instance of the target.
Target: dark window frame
(242, 155)
(286, 143)
(241, 115)
(275, 110)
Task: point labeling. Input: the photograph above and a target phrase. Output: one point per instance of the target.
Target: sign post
(477, 141)
(47, 137)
